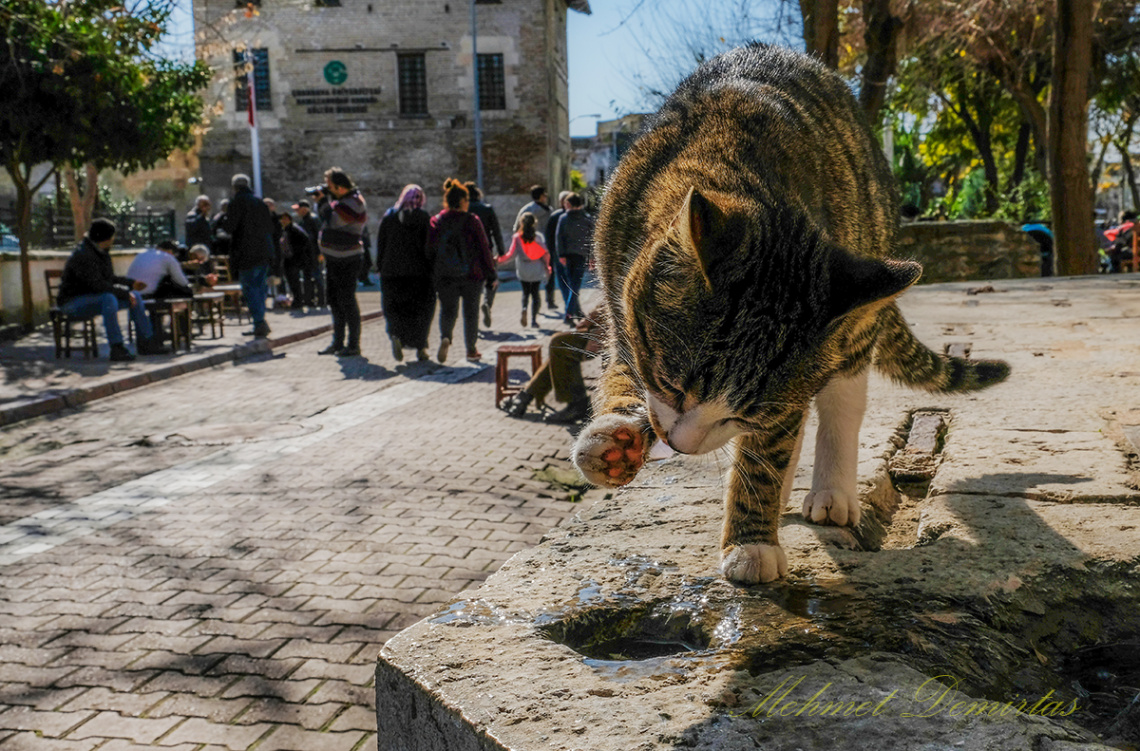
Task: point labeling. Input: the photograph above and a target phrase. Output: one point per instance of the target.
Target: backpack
(451, 254)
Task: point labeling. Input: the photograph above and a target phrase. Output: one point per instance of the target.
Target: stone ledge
(616, 631)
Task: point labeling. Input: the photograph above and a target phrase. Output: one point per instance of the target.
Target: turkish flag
(251, 101)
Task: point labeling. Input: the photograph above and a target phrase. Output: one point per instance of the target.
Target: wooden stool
(503, 386)
(209, 308)
(178, 309)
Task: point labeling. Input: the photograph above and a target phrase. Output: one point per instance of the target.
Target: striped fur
(743, 247)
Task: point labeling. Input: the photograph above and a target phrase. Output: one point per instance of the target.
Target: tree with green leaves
(81, 86)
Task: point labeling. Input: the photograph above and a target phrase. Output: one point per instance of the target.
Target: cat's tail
(903, 358)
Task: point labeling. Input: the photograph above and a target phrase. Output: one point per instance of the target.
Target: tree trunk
(881, 38)
(821, 30)
(82, 201)
(1020, 157)
(1071, 195)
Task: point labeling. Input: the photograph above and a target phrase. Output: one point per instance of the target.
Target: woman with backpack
(461, 263)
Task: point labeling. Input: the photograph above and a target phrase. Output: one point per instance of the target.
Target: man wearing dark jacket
(294, 251)
(574, 238)
(89, 288)
(311, 272)
(490, 220)
(250, 227)
(198, 228)
(551, 235)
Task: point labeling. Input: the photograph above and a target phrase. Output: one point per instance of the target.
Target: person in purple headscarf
(406, 290)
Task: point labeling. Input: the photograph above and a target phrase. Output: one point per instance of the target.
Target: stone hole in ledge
(638, 632)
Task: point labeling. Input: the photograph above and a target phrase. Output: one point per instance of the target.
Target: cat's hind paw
(753, 564)
(611, 449)
(832, 506)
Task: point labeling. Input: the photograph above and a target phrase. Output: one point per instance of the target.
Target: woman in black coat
(407, 294)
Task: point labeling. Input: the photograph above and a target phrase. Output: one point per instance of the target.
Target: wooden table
(232, 293)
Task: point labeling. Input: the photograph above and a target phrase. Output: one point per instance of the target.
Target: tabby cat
(743, 247)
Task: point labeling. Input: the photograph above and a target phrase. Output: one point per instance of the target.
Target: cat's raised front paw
(832, 506)
(753, 564)
(611, 449)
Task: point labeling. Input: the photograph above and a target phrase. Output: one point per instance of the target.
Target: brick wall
(964, 251)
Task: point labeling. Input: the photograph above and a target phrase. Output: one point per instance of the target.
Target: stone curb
(129, 380)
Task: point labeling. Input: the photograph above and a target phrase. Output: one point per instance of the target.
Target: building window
(260, 80)
(492, 82)
(488, 2)
(413, 84)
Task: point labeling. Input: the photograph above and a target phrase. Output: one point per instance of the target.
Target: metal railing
(55, 229)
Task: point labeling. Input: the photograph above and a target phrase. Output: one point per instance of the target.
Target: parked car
(7, 239)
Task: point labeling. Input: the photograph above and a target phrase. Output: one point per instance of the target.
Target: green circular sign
(336, 72)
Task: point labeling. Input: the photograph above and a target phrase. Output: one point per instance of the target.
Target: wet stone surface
(992, 601)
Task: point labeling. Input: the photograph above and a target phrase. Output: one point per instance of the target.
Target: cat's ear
(856, 281)
(710, 233)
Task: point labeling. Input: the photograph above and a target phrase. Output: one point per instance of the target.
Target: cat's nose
(684, 439)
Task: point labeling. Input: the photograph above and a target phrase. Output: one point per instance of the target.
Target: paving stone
(232, 737)
(51, 724)
(292, 738)
(114, 725)
(30, 741)
(125, 703)
(309, 716)
(299, 560)
(191, 705)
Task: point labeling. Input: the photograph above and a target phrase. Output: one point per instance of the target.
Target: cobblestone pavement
(213, 561)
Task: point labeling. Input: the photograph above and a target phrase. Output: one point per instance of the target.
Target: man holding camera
(344, 214)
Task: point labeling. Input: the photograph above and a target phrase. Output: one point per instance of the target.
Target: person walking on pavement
(89, 288)
(198, 228)
(250, 226)
(312, 272)
(407, 295)
(550, 232)
(490, 220)
(575, 237)
(343, 214)
(539, 206)
(532, 265)
(461, 263)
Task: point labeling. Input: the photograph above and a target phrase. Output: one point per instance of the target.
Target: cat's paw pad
(832, 506)
(611, 450)
(753, 564)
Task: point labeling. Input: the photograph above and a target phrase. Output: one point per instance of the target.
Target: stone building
(385, 90)
(595, 157)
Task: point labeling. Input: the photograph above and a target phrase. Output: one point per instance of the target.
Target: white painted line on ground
(45, 530)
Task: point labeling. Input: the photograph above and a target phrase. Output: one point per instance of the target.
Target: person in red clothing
(461, 263)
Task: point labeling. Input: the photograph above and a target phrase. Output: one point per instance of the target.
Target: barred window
(413, 84)
(492, 82)
(260, 80)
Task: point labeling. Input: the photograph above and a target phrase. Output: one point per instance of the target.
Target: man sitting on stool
(161, 274)
(89, 287)
(562, 372)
